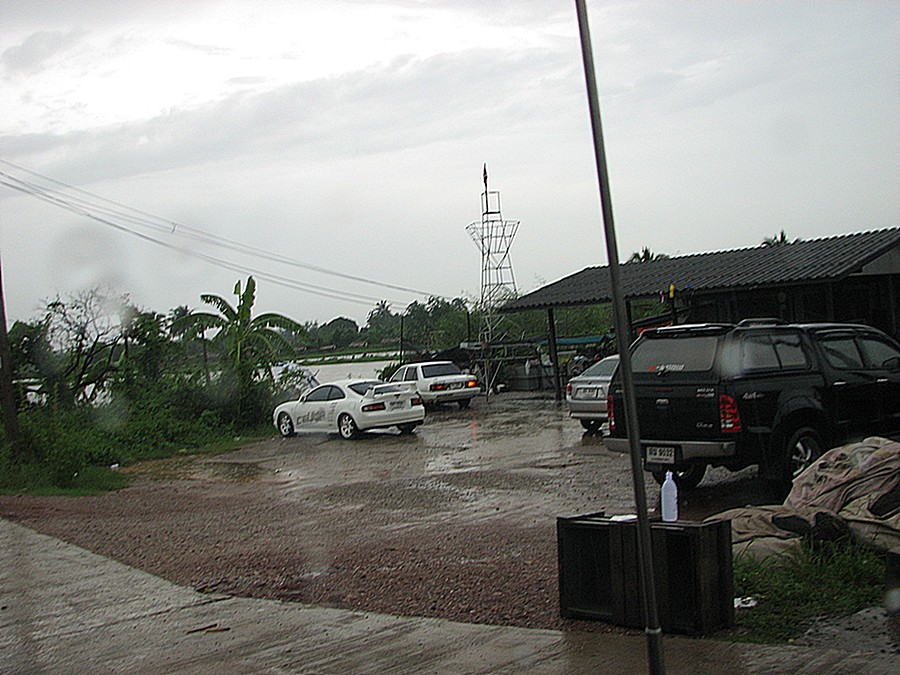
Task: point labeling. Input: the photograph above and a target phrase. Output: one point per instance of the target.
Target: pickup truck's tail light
(729, 416)
(372, 407)
(610, 412)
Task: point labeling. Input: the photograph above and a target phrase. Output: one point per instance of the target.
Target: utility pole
(652, 629)
(7, 396)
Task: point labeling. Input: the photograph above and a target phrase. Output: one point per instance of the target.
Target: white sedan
(351, 406)
(439, 382)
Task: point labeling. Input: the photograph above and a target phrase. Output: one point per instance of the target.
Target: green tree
(248, 345)
(73, 348)
(382, 325)
(340, 332)
(145, 354)
(646, 255)
(778, 240)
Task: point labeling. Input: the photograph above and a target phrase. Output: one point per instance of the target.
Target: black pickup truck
(760, 392)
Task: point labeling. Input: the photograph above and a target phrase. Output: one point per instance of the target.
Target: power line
(112, 213)
(219, 262)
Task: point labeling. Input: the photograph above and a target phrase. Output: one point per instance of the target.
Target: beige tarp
(851, 491)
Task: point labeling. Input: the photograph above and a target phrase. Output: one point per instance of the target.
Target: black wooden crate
(599, 574)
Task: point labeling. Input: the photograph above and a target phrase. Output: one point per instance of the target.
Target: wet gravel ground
(456, 521)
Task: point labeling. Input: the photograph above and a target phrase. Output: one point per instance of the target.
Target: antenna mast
(494, 236)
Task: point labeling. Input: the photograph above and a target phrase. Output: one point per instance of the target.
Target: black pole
(7, 395)
(648, 587)
(554, 353)
(401, 339)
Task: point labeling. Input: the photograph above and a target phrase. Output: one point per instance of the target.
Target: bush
(175, 414)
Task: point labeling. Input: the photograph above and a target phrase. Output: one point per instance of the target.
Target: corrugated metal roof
(827, 259)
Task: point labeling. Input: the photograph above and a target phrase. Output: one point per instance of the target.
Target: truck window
(758, 353)
(677, 354)
(790, 351)
(877, 353)
(841, 352)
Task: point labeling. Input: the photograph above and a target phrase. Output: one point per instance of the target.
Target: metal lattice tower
(494, 236)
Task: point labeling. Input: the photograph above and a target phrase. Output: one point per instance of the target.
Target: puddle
(193, 467)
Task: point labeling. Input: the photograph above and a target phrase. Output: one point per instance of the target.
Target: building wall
(873, 300)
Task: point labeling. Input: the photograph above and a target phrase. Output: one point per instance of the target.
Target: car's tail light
(471, 383)
(729, 416)
(611, 412)
(371, 407)
(415, 401)
(436, 387)
(569, 389)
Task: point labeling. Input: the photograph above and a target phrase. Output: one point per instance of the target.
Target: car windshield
(362, 387)
(602, 368)
(691, 354)
(435, 369)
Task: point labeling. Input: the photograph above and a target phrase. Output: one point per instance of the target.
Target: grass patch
(38, 480)
(816, 579)
(41, 479)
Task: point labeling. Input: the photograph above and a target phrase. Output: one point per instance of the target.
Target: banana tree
(248, 344)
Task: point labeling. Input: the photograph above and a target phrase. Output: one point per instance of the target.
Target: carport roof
(811, 261)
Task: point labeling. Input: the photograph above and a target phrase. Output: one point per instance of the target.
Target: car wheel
(686, 478)
(285, 426)
(464, 403)
(590, 425)
(802, 449)
(347, 427)
(407, 428)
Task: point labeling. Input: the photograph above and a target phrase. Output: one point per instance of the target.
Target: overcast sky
(349, 137)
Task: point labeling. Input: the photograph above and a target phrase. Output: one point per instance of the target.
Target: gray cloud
(405, 104)
(31, 55)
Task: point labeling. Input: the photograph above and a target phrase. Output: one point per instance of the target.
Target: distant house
(847, 278)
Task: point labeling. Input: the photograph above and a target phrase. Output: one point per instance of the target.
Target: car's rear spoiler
(391, 388)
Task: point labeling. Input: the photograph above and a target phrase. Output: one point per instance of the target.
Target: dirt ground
(456, 521)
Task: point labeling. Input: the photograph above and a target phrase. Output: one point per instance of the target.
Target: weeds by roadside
(817, 579)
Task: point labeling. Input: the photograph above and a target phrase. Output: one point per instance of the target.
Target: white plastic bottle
(669, 495)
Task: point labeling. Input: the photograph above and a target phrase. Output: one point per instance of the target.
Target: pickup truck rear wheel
(686, 478)
(802, 449)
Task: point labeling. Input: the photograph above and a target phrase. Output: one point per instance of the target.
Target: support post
(645, 554)
(554, 354)
(7, 396)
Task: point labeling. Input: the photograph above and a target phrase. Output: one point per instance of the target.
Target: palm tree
(780, 240)
(247, 343)
(177, 327)
(646, 255)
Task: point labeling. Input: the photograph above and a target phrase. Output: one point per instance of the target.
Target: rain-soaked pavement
(515, 456)
(376, 542)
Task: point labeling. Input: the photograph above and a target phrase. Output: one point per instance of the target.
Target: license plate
(587, 392)
(394, 405)
(660, 454)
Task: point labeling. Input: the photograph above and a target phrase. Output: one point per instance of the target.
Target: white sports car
(351, 406)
